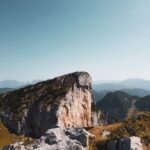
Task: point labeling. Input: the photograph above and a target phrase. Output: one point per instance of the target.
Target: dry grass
(137, 125)
(8, 138)
(98, 132)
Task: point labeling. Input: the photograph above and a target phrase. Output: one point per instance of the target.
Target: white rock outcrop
(130, 143)
(57, 139)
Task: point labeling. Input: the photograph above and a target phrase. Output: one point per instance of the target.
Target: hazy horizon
(94, 81)
(45, 39)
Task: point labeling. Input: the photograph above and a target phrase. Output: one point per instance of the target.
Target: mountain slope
(116, 105)
(99, 95)
(119, 105)
(143, 104)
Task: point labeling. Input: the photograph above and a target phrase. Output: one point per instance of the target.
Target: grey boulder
(57, 139)
(130, 143)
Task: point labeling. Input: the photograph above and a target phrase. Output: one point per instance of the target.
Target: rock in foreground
(64, 101)
(57, 139)
(131, 143)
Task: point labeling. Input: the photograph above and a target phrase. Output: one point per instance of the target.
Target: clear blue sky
(40, 39)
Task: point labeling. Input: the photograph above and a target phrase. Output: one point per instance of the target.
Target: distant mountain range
(132, 87)
(3, 90)
(119, 100)
(133, 92)
(13, 84)
(138, 87)
(97, 86)
(126, 84)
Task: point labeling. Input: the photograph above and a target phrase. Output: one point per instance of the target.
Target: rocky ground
(57, 139)
(134, 132)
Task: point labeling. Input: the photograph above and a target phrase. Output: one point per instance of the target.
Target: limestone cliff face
(63, 101)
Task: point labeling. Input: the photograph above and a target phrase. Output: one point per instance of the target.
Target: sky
(41, 39)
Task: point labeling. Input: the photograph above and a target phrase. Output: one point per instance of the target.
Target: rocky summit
(65, 101)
